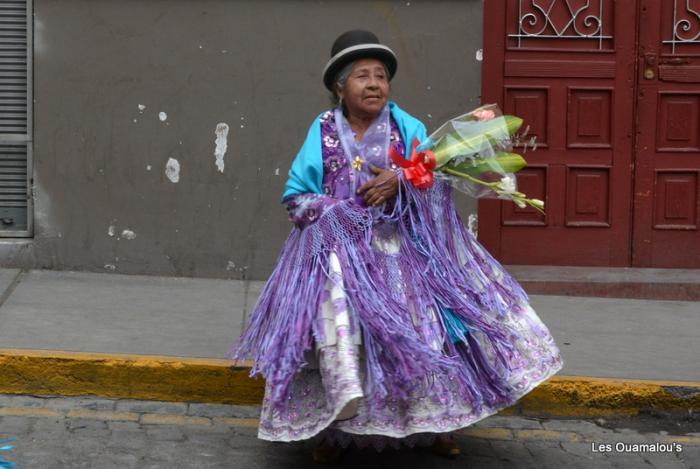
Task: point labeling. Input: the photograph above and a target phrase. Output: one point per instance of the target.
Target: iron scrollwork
(686, 26)
(583, 20)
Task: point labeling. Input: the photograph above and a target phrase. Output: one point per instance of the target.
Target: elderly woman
(384, 321)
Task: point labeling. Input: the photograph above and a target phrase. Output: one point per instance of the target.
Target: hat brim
(360, 51)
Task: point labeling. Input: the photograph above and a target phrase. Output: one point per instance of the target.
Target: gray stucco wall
(254, 65)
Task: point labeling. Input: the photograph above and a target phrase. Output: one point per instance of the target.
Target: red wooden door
(666, 198)
(568, 68)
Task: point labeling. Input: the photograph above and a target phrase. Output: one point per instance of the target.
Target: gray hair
(341, 78)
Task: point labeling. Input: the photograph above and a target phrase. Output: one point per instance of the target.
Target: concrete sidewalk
(111, 314)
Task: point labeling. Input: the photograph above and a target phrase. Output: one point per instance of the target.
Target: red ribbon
(419, 168)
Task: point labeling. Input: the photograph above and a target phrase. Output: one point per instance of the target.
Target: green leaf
(507, 162)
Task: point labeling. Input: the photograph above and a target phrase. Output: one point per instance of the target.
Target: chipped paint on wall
(102, 171)
(39, 41)
(221, 133)
(172, 170)
(128, 234)
(162, 116)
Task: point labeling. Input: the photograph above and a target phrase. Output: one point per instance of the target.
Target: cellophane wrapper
(473, 140)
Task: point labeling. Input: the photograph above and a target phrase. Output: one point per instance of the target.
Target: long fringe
(398, 360)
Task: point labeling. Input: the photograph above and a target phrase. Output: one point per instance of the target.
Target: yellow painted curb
(103, 415)
(48, 372)
(581, 396)
(164, 419)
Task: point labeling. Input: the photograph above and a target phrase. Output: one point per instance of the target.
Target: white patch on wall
(45, 218)
(231, 265)
(128, 234)
(473, 224)
(172, 170)
(277, 171)
(479, 55)
(39, 41)
(111, 231)
(221, 144)
(148, 167)
(162, 116)
(142, 108)
(111, 267)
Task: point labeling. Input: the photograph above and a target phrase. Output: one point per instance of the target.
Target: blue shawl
(306, 173)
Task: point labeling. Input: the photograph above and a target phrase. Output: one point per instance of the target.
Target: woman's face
(366, 90)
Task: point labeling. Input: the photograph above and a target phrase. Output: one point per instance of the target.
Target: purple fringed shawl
(448, 271)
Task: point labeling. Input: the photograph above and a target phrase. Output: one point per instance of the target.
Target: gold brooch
(357, 163)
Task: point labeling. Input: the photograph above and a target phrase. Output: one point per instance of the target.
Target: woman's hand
(381, 188)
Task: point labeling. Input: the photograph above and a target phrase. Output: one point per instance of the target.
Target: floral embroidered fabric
(329, 397)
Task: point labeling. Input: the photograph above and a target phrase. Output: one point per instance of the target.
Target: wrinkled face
(367, 88)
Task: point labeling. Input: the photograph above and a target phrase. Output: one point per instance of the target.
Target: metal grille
(562, 19)
(15, 117)
(686, 25)
(13, 186)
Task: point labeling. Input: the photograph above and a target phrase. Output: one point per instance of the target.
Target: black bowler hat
(353, 45)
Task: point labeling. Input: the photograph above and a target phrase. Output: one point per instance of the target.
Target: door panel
(666, 196)
(567, 68)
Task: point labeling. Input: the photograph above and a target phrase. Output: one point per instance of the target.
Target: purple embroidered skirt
(392, 330)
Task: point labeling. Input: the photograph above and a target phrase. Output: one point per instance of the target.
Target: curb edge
(180, 379)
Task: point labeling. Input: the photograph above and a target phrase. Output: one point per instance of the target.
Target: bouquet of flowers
(474, 153)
